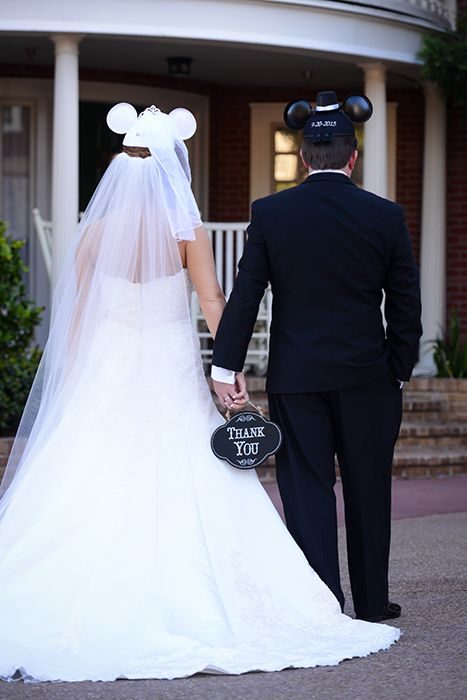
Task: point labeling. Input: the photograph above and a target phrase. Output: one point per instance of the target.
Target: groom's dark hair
(332, 155)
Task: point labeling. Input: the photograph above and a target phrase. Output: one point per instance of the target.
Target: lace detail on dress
(263, 616)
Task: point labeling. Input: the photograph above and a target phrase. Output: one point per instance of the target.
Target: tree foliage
(19, 316)
(444, 57)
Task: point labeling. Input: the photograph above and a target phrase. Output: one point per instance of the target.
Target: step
(409, 463)
(429, 433)
(419, 385)
(443, 385)
(421, 403)
(415, 461)
(420, 400)
(420, 407)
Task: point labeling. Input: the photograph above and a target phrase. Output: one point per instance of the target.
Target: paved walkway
(410, 498)
(428, 578)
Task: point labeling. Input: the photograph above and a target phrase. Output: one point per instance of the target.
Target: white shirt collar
(315, 172)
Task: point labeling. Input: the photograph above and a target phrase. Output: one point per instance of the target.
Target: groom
(329, 249)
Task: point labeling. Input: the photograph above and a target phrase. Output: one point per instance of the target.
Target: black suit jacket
(328, 248)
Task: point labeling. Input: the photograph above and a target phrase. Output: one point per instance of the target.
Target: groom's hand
(232, 396)
(241, 397)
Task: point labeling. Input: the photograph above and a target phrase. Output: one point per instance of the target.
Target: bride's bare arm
(85, 261)
(200, 263)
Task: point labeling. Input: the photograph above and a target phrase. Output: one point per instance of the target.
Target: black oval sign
(246, 440)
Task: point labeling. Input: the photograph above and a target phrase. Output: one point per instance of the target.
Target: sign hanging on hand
(246, 440)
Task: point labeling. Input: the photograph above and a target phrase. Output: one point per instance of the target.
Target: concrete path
(410, 498)
(428, 578)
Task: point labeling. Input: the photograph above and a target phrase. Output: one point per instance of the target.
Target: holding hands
(232, 396)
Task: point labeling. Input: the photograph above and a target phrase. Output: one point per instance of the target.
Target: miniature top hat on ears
(329, 118)
(145, 129)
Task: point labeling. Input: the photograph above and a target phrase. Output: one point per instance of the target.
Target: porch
(60, 72)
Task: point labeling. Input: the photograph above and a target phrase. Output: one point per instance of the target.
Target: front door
(16, 194)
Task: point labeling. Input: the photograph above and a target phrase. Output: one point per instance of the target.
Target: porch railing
(228, 241)
(43, 231)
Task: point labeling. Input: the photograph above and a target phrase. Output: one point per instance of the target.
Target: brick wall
(457, 214)
(229, 155)
(409, 158)
(457, 208)
(230, 148)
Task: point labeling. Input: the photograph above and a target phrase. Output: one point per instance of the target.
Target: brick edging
(437, 384)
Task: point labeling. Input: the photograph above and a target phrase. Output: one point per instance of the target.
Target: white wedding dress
(127, 550)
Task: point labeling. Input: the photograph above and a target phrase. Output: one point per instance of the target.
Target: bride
(127, 550)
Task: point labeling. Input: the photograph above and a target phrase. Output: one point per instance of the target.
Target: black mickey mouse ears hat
(329, 118)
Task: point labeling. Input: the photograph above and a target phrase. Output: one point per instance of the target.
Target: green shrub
(450, 352)
(19, 316)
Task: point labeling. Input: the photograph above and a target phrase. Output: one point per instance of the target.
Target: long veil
(128, 234)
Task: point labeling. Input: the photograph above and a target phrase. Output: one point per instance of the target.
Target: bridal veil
(129, 232)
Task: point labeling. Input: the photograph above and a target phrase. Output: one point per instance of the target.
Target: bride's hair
(137, 151)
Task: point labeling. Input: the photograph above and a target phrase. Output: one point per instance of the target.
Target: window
(15, 169)
(275, 162)
(288, 167)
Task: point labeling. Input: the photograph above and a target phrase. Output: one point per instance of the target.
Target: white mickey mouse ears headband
(141, 130)
(163, 134)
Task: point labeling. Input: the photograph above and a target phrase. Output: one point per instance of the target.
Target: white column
(65, 147)
(433, 237)
(375, 167)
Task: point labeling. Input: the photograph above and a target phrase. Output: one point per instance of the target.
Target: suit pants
(360, 426)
